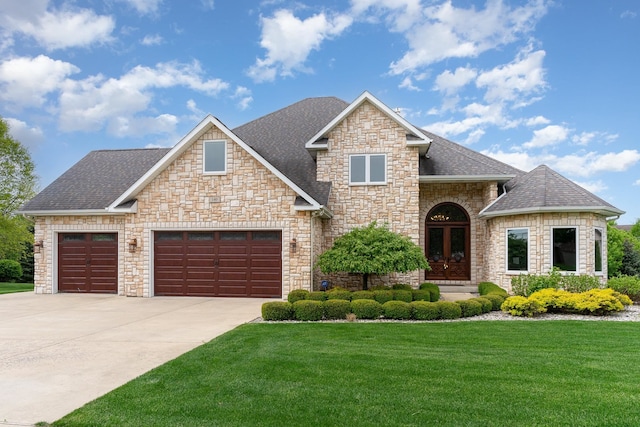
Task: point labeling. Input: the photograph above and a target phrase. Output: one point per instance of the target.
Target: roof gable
(545, 190)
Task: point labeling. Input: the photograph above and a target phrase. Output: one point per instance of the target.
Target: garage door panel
(218, 263)
(88, 262)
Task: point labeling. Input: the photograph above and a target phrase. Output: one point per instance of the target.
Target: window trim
(575, 227)
(204, 157)
(367, 169)
(602, 243)
(506, 248)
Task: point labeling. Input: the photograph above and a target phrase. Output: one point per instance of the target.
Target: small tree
(630, 260)
(372, 250)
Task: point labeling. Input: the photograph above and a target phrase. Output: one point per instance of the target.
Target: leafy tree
(616, 239)
(635, 229)
(630, 259)
(17, 171)
(372, 250)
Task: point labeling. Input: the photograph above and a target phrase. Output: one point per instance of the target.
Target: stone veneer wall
(540, 250)
(472, 197)
(366, 131)
(182, 197)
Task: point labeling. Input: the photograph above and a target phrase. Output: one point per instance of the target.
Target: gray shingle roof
(96, 181)
(280, 138)
(446, 158)
(544, 189)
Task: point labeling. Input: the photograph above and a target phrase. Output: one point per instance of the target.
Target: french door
(447, 243)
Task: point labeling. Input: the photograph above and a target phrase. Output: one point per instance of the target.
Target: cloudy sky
(527, 82)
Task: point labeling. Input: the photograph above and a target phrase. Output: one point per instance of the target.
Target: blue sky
(527, 82)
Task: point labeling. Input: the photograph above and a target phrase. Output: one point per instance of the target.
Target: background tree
(623, 247)
(372, 250)
(17, 186)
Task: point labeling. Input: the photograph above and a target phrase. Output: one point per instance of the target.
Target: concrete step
(458, 289)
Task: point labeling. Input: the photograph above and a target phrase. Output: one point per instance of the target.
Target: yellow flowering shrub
(522, 306)
(597, 302)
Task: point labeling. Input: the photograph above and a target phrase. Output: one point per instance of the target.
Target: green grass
(556, 373)
(9, 288)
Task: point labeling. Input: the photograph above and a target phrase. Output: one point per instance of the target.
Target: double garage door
(218, 263)
(196, 263)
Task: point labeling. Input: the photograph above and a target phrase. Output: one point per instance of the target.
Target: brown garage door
(88, 262)
(218, 263)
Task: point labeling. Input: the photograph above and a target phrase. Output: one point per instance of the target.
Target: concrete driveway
(58, 352)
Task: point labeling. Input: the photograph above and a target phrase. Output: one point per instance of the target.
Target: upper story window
(565, 248)
(598, 250)
(215, 157)
(517, 249)
(368, 169)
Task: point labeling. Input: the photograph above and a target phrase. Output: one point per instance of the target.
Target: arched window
(447, 243)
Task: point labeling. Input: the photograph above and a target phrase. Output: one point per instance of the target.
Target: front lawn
(9, 288)
(541, 373)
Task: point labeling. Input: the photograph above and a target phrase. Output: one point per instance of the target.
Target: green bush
(398, 310)
(10, 270)
(366, 309)
(382, 295)
(297, 295)
(597, 302)
(424, 310)
(486, 288)
(580, 283)
(318, 296)
(522, 306)
(421, 295)
(362, 295)
(379, 288)
(628, 285)
(527, 284)
(449, 310)
(486, 304)
(339, 293)
(401, 287)
(402, 295)
(336, 309)
(496, 300)
(308, 310)
(433, 288)
(470, 308)
(277, 310)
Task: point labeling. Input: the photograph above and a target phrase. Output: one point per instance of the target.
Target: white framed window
(214, 157)
(517, 250)
(597, 250)
(564, 248)
(367, 169)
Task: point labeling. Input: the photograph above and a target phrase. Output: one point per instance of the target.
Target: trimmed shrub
(470, 308)
(581, 283)
(401, 287)
(522, 306)
(526, 284)
(449, 310)
(277, 310)
(599, 302)
(402, 295)
(398, 310)
(379, 288)
(297, 295)
(421, 295)
(362, 295)
(628, 285)
(382, 295)
(339, 293)
(308, 310)
(424, 310)
(485, 303)
(336, 309)
(366, 309)
(486, 288)
(318, 296)
(496, 300)
(10, 270)
(433, 288)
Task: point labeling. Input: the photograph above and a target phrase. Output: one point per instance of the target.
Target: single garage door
(88, 262)
(218, 263)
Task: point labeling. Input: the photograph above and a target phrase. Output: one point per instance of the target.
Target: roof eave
(601, 210)
(319, 211)
(464, 178)
(76, 212)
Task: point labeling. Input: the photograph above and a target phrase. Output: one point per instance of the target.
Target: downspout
(311, 232)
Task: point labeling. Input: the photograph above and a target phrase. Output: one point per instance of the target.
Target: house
(246, 211)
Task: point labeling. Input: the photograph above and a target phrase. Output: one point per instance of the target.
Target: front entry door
(448, 243)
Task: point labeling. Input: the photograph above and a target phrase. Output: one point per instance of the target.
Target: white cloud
(152, 39)
(243, 95)
(637, 182)
(407, 83)
(144, 7)
(289, 41)
(141, 125)
(628, 14)
(60, 29)
(518, 159)
(443, 31)
(208, 4)
(537, 121)
(89, 104)
(592, 186)
(584, 138)
(450, 83)
(25, 82)
(547, 136)
(21, 131)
